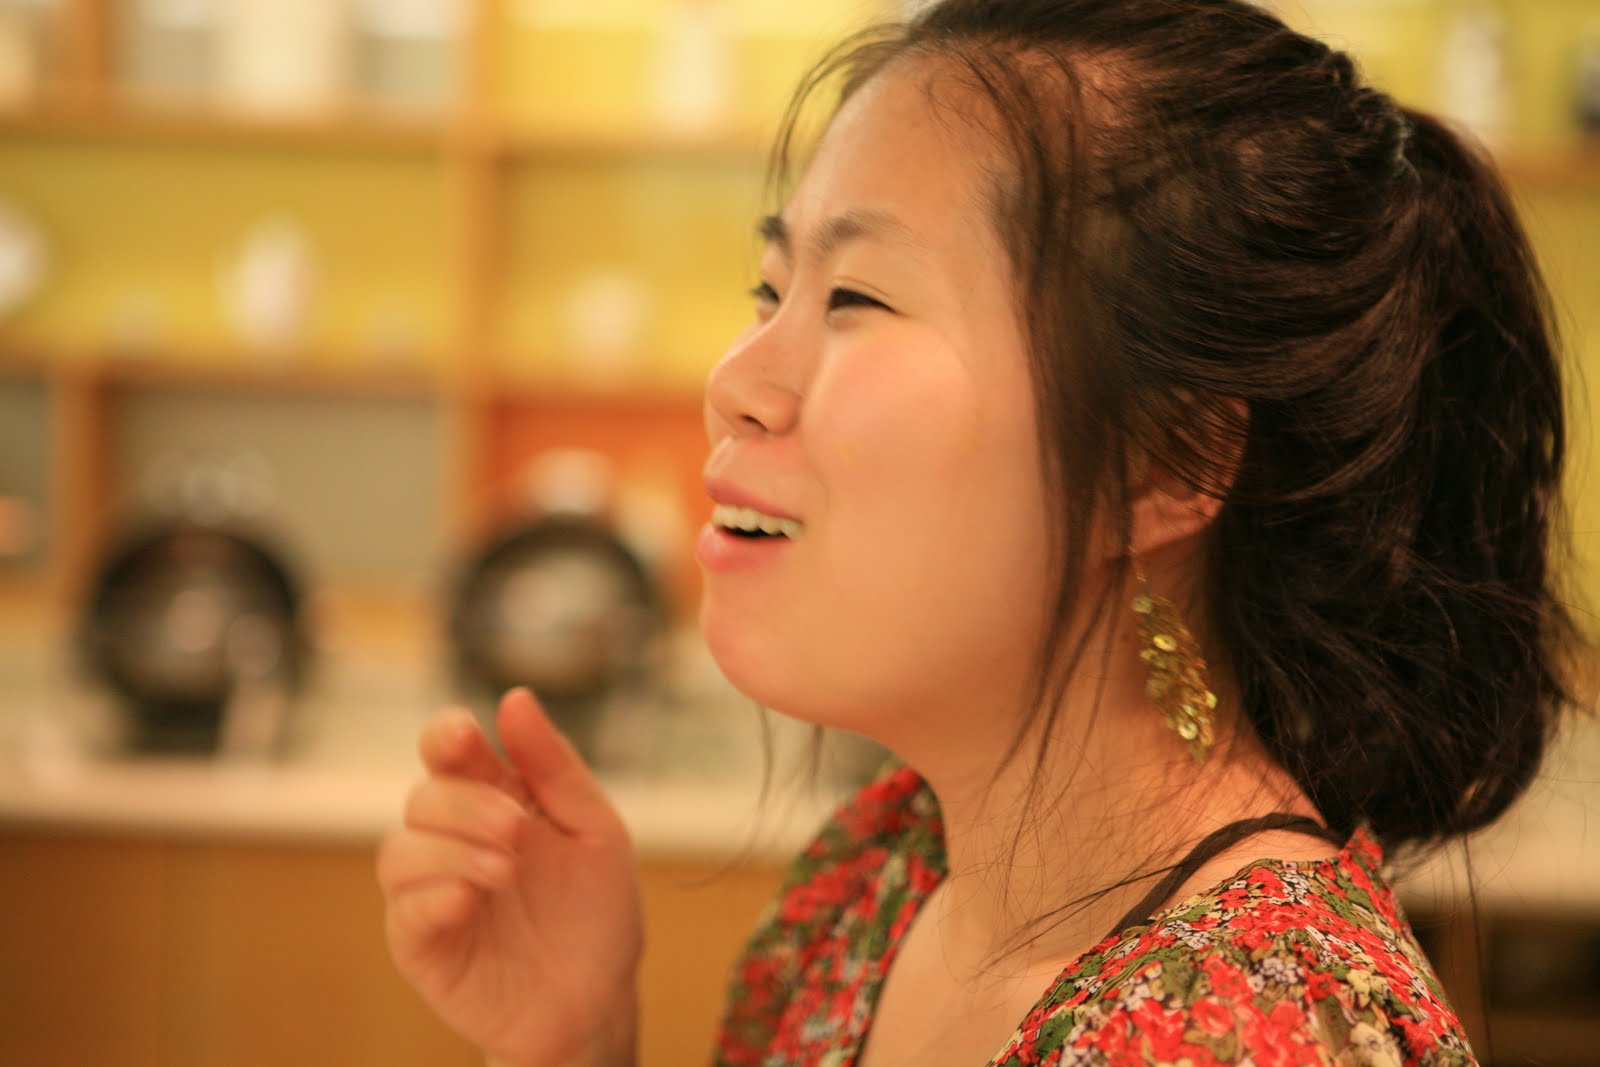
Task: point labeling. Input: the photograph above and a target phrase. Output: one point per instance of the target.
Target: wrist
(616, 1044)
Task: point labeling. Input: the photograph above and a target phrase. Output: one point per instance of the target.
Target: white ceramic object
(267, 291)
(20, 48)
(169, 47)
(568, 481)
(1473, 83)
(694, 76)
(284, 56)
(407, 51)
(24, 260)
(608, 317)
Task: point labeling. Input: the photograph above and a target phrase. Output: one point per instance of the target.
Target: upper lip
(722, 491)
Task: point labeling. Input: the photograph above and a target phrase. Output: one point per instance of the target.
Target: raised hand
(512, 894)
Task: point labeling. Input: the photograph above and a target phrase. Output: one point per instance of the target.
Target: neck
(1116, 796)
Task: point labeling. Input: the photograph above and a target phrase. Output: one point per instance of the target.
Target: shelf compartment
(377, 229)
(631, 66)
(655, 446)
(636, 274)
(25, 475)
(351, 485)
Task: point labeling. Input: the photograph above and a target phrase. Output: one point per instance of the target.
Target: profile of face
(880, 405)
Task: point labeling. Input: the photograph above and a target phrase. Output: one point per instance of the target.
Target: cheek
(914, 436)
(935, 507)
(880, 412)
(924, 574)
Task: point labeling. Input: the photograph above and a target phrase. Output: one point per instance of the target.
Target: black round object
(180, 617)
(561, 606)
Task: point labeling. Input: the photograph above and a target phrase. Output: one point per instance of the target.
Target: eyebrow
(854, 225)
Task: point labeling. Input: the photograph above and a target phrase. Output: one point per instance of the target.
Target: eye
(847, 298)
(764, 293)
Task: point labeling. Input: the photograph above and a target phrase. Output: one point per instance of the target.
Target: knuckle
(416, 801)
(390, 860)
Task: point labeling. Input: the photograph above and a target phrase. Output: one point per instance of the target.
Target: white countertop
(1543, 856)
(693, 789)
(687, 783)
(312, 804)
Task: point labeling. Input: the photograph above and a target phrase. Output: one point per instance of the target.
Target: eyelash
(838, 298)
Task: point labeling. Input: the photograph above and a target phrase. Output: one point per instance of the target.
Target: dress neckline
(1359, 850)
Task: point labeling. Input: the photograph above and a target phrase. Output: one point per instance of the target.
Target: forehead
(910, 144)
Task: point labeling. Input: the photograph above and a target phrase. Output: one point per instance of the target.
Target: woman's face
(878, 412)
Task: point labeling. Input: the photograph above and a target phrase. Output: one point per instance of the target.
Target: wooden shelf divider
(133, 121)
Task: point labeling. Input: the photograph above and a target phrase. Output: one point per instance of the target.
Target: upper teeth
(750, 520)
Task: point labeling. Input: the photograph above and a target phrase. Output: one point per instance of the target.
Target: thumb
(558, 781)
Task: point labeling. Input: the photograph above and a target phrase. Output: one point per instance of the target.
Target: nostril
(747, 398)
(774, 408)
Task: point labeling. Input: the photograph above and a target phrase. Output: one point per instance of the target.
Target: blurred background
(350, 355)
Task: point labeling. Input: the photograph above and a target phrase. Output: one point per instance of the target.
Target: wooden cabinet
(155, 952)
(1525, 980)
(151, 951)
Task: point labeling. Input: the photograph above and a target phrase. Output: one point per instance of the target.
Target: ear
(1166, 510)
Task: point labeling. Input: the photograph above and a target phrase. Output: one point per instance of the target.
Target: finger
(474, 811)
(410, 857)
(557, 779)
(453, 743)
(427, 911)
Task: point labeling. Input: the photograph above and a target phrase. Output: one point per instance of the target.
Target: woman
(1152, 436)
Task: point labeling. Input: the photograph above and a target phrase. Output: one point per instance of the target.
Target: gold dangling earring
(1177, 670)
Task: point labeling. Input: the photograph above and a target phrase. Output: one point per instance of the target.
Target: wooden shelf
(310, 376)
(352, 130)
(310, 373)
(578, 394)
(1575, 166)
(632, 146)
(358, 130)
(24, 367)
(318, 372)
(165, 121)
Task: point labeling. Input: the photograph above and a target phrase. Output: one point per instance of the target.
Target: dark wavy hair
(1272, 262)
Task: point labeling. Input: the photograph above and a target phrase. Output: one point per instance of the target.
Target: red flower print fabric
(1305, 964)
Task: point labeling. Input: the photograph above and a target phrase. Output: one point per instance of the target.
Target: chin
(746, 665)
(782, 664)
(733, 646)
(767, 669)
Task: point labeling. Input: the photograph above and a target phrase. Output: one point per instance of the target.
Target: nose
(745, 397)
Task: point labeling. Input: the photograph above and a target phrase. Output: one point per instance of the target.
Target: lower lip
(718, 550)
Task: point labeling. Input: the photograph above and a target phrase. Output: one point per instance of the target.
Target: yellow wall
(1399, 45)
(141, 234)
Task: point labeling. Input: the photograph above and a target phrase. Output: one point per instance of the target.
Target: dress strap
(1212, 845)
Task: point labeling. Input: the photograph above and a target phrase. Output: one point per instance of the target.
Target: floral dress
(1285, 964)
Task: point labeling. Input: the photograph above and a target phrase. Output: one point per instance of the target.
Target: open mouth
(752, 524)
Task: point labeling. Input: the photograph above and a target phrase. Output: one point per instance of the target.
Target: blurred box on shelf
(284, 58)
(27, 48)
